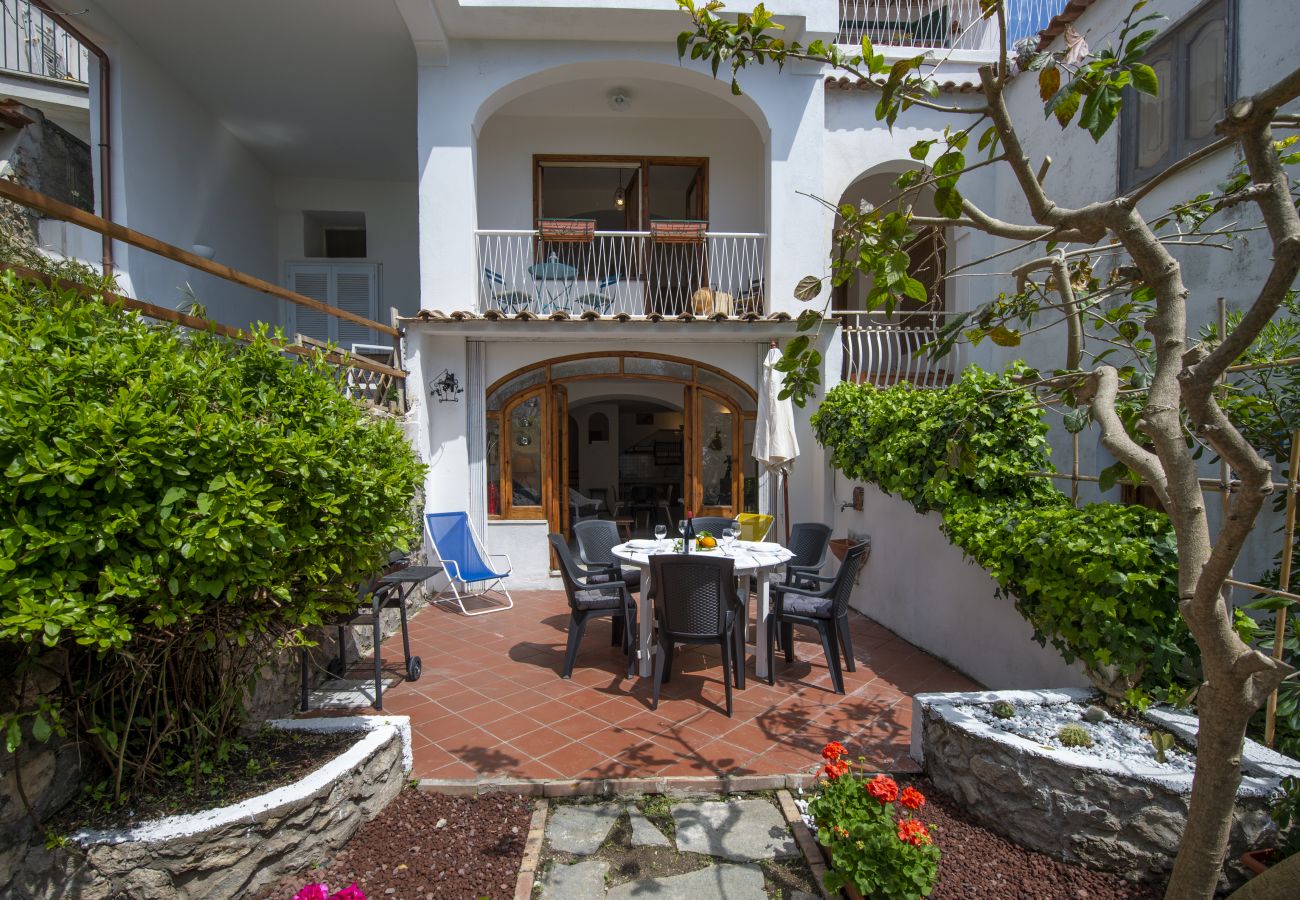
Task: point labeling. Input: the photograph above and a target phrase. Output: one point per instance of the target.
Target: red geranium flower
(913, 832)
(883, 788)
(912, 798)
(833, 751)
(835, 768)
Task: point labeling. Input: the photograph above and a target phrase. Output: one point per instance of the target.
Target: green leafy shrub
(1099, 582)
(173, 508)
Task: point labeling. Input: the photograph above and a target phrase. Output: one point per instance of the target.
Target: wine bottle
(688, 539)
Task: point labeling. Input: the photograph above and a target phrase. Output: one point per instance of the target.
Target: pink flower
(351, 892)
(318, 891)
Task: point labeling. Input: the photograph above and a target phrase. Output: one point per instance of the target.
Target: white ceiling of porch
(317, 88)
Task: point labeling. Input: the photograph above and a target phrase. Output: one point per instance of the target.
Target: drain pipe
(105, 157)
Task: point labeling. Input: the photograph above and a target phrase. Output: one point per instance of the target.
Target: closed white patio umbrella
(775, 443)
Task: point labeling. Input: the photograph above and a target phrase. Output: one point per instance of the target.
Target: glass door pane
(718, 455)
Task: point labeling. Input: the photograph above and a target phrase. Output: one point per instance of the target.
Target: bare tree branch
(1116, 439)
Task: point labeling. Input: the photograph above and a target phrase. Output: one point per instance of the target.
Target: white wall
(922, 588)
(733, 146)
(392, 229)
(179, 175)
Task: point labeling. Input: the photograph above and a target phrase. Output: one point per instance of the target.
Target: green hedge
(1099, 582)
(173, 509)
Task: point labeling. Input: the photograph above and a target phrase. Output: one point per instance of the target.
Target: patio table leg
(760, 630)
(375, 626)
(645, 622)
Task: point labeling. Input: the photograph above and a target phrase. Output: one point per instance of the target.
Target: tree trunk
(1219, 741)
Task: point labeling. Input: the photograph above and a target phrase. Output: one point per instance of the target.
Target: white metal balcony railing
(950, 24)
(622, 272)
(882, 353)
(32, 44)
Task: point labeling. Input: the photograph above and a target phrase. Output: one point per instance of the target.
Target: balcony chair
(696, 604)
(598, 300)
(597, 539)
(457, 548)
(824, 608)
(591, 593)
(502, 295)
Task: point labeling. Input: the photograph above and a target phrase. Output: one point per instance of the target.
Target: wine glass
(661, 532)
(736, 530)
(728, 539)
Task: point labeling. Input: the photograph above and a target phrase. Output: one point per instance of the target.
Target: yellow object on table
(754, 526)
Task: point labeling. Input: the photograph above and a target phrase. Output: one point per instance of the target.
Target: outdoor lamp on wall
(620, 197)
(446, 387)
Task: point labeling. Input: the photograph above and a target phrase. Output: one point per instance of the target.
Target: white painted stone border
(1261, 767)
(379, 730)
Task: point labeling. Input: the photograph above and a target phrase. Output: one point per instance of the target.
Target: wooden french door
(713, 451)
(557, 468)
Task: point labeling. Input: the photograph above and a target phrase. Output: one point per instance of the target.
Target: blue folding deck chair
(458, 550)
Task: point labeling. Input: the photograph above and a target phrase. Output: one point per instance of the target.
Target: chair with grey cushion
(824, 608)
(593, 593)
(695, 604)
(597, 539)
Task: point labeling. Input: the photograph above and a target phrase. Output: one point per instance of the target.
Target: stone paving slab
(644, 832)
(741, 830)
(581, 829)
(729, 881)
(580, 881)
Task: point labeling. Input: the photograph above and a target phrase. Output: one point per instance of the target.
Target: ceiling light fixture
(620, 197)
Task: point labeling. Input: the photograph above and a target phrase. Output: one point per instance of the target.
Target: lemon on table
(708, 542)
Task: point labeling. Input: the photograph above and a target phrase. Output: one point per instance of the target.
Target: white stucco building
(533, 160)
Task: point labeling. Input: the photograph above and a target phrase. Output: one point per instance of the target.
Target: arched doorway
(708, 459)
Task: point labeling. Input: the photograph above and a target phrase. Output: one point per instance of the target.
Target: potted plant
(875, 844)
(1286, 815)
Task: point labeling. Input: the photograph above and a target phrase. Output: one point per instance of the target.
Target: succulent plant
(1074, 735)
(1163, 741)
(1003, 709)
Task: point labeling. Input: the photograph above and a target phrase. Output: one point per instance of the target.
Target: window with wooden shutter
(353, 287)
(1195, 66)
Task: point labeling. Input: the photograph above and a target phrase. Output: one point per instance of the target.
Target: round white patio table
(753, 559)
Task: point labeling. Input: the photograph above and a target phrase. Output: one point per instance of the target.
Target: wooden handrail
(68, 213)
(196, 322)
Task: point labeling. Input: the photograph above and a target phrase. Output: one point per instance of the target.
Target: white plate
(765, 550)
(642, 545)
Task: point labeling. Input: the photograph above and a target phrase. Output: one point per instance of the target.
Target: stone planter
(1125, 817)
(231, 851)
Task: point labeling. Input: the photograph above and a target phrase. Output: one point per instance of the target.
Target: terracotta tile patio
(491, 702)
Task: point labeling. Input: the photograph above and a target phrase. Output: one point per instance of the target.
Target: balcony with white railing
(671, 270)
(888, 350)
(33, 44)
(939, 24)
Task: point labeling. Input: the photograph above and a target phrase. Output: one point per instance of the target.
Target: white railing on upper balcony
(884, 351)
(31, 43)
(949, 24)
(622, 272)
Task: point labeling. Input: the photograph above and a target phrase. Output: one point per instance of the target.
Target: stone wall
(230, 851)
(1126, 819)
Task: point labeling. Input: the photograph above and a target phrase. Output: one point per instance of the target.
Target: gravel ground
(1113, 739)
(979, 865)
(428, 847)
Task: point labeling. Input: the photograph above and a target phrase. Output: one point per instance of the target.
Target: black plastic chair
(597, 539)
(696, 604)
(826, 609)
(712, 524)
(810, 543)
(592, 594)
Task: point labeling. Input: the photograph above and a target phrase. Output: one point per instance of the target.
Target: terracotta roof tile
(1062, 20)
